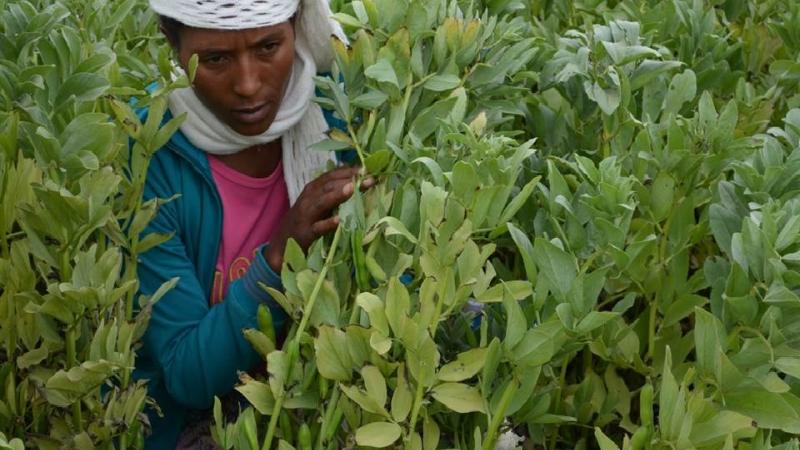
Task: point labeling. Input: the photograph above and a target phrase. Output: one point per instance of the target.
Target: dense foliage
(71, 218)
(586, 232)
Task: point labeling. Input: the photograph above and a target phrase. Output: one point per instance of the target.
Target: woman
(246, 183)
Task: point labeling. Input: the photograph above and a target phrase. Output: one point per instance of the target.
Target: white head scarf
(299, 122)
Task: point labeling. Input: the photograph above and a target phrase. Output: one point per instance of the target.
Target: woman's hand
(311, 216)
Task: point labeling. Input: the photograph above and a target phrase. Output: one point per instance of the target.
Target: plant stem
(439, 305)
(327, 417)
(651, 329)
(494, 425)
(71, 337)
(131, 273)
(330, 409)
(560, 389)
(11, 346)
(71, 340)
(417, 401)
(295, 344)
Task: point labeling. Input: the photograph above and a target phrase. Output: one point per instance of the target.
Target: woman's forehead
(203, 38)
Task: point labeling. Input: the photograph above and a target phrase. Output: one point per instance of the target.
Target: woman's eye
(214, 59)
(270, 47)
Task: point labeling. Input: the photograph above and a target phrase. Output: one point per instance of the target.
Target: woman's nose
(247, 82)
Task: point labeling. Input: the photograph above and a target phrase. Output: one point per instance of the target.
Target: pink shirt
(252, 212)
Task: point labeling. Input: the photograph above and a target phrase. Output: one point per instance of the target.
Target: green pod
(286, 426)
(375, 269)
(646, 405)
(250, 432)
(138, 440)
(331, 427)
(265, 325)
(324, 384)
(304, 437)
(359, 259)
(640, 438)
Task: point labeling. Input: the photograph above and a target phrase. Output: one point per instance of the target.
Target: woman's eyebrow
(215, 50)
(214, 47)
(268, 38)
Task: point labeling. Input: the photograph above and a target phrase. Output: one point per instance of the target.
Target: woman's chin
(251, 130)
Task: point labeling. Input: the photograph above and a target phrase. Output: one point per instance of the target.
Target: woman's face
(242, 74)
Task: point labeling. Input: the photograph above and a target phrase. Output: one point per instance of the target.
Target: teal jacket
(191, 351)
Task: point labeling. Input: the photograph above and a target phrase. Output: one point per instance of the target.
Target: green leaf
(789, 366)
(709, 342)
(372, 99)
(429, 119)
(378, 161)
(360, 11)
(347, 20)
(682, 307)
(375, 383)
(152, 240)
(378, 434)
(383, 72)
(718, 427)
(622, 53)
(327, 308)
(682, 89)
(525, 249)
(84, 87)
(519, 200)
(788, 234)
(333, 360)
(594, 320)
(374, 307)
(380, 342)
(32, 358)
(603, 441)
(535, 348)
(67, 387)
(494, 353)
(258, 394)
(330, 145)
(365, 401)
(466, 365)
(397, 305)
(459, 397)
(556, 265)
(263, 345)
(430, 434)
(396, 227)
(402, 398)
(518, 290)
(443, 82)
(516, 323)
(608, 96)
(662, 196)
(768, 409)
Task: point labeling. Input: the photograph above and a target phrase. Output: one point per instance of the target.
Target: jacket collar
(180, 145)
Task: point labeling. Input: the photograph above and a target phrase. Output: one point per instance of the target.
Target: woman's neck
(257, 162)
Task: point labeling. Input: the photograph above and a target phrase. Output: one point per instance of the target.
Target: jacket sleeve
(197, 347)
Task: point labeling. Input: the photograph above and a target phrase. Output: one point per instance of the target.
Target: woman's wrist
(274, 257)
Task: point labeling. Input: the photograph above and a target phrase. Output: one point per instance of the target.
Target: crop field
(586, 232)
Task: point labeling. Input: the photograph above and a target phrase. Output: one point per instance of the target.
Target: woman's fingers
(341, 173)
(330, 181)
(325, 226)
(367, 183)
(337, 192)
(324, 195)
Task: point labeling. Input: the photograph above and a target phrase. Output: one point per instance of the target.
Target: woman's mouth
(251, 115)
